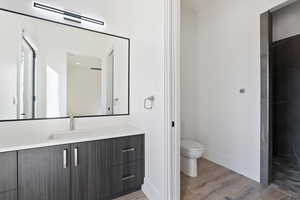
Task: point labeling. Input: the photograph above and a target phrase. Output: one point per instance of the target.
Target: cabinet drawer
(9, 195)
(127, 149)
(127, 178)
(8, 171)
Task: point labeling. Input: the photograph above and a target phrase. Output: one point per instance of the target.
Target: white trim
(172, 100)
(167, 107)
(176, 95)
(149, 190)
(282, 5)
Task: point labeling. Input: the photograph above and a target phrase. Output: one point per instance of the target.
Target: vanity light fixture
(75, 17)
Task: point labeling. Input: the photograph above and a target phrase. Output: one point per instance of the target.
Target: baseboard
(227, 163)
(150, 190)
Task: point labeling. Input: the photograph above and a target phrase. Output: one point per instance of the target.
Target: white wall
(228, 42)
(84, 82)
(142, 21)
(286, 22)
(189, 73)
(8, 75)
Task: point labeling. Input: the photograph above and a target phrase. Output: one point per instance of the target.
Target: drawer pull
(76, 156)
(65, 154)
(128, 177)
(128, 150)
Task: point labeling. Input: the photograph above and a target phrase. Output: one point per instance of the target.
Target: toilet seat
(191, 145)
(191, 149)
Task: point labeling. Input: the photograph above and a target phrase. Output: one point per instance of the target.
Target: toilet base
(189, 166)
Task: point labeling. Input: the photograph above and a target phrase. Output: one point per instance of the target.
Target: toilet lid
(191, 145)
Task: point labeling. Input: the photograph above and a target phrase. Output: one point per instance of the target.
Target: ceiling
(84, 61)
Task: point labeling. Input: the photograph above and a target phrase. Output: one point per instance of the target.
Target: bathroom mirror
(53, 70)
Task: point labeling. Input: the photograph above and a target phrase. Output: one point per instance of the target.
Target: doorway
(26, 81)
(110, 83)
(286, 116)
(280, 97)
(85, 72)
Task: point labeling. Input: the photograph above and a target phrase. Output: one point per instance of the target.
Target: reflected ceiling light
(96, 68)
(75, 17)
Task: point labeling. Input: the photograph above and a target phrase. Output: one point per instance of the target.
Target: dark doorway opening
(285, 103)
(280, 98)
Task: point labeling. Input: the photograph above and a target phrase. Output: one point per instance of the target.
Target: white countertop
(65, 137)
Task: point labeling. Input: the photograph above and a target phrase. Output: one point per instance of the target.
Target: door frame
(172, 99)
(34, 54)
(266, 136)
(112, 55)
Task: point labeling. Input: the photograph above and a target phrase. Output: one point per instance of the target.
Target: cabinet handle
(65, 155)
(128, 177)
(128, 150)
(76, 156)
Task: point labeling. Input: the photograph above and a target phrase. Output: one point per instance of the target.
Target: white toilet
(191, 151)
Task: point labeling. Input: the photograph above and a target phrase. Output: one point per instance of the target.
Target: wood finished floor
(218, 183)
(133, 196)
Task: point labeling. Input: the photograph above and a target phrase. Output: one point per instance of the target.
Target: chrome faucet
(72, 122)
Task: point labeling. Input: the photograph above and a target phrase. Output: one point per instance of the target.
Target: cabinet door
(91, 170)
(9, 195)
(44, 173)
(8, 172)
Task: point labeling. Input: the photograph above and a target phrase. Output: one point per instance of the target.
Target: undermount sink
(69, 134)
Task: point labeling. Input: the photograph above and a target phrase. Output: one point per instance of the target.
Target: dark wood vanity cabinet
(96, 170)
(9, 195)
(127, 178)
(8, 176)
(44, 173)
(91, 165)
(128, 164)
(127, 149)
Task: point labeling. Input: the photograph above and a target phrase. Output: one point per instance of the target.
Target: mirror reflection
(50, 70)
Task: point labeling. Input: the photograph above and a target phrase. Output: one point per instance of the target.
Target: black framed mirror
(51, 70)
